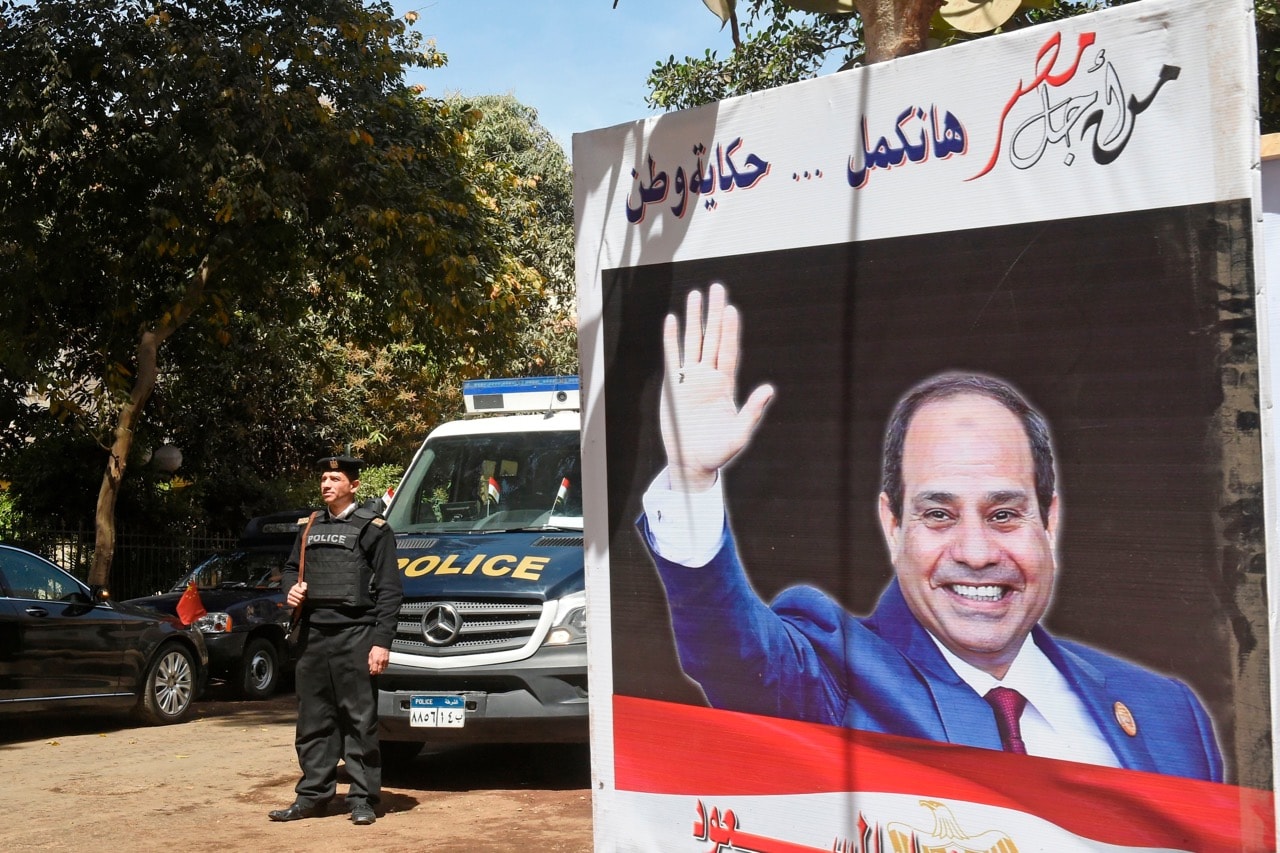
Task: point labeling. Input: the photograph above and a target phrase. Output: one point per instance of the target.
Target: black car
(247, 617)
(65, 645)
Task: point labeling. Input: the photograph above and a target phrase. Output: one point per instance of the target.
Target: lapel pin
(1125, 718)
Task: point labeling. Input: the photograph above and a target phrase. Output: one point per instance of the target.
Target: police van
(490, 645)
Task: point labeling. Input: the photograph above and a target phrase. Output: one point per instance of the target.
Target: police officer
(349, 597)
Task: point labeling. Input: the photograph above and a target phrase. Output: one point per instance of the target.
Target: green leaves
(527, 179)
(790, 40)
(255, 184)
(778, 47)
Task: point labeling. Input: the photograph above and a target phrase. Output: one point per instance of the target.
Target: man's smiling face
(973, 558)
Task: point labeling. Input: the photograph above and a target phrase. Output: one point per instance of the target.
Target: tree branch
(147, 356)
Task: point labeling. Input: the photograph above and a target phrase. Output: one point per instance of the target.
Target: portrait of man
(954, 651)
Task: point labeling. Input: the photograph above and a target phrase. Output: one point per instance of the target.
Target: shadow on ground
(453, 768)
(218, 704)
(545, 766)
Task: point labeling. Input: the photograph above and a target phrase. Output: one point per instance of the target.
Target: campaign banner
(927, 452)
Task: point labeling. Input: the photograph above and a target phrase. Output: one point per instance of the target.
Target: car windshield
(233, 569)
(491, 483)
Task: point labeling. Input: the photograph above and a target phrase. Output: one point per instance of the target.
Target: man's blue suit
(805, 658)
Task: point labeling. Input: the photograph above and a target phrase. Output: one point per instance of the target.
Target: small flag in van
(495, 494)
(564, 490)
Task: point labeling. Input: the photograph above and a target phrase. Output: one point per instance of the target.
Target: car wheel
(169, 689)
(399, 754)
(259, 673)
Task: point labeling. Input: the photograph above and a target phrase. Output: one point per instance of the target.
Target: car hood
(134, 607)
(214, 600)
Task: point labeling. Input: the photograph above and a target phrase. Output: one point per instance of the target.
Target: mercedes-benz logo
(441, 625)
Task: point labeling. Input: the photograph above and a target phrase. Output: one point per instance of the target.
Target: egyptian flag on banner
(495, 494)
(737, 782)
(190, 607)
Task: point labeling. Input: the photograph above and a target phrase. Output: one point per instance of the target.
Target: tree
(249, 417)
(887, 28)
(790, 40)
(379, 401)
(205, 167)
(530, 175)
(781, 46)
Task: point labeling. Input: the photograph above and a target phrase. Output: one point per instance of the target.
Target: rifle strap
(302, 565)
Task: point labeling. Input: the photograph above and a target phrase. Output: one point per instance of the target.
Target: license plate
(437, 711)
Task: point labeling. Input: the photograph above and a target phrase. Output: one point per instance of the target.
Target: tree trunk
(147, 371)
(893, 28)
(104, 540)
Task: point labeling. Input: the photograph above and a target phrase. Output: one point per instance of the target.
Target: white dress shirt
(1055, 723)
(351, 507)
(687, 526)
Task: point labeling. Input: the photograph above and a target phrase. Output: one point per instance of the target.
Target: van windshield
(491, 483)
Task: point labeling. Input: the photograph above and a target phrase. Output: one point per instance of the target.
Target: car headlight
(213, 623)
(570, 625)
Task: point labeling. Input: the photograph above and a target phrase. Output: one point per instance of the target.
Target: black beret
(348, 465)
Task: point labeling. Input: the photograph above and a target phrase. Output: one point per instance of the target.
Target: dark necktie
(1008, 705)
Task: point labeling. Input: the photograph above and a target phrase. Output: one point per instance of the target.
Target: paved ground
(94, 785)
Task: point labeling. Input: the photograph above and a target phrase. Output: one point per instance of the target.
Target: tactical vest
(337, 571)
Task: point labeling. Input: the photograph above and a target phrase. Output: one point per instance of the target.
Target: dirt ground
(91, 784)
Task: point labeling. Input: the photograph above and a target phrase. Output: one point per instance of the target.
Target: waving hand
(702, 426)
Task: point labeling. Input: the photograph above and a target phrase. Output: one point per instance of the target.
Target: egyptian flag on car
(495, 494)
(190, 607)
(560, 495)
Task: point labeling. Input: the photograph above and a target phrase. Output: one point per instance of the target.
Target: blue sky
(580, 63)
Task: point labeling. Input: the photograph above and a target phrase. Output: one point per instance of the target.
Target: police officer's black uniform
(351, 604)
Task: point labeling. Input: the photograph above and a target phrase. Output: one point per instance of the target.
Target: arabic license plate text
(437, 711)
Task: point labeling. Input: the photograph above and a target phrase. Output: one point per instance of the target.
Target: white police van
(491, 641)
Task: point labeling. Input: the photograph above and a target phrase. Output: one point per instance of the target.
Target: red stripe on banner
(665, 748)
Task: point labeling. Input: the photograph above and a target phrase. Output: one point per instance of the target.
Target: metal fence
(144, 563)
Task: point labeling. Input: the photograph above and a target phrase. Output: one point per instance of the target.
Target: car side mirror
(99, 594)
(77, 603)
